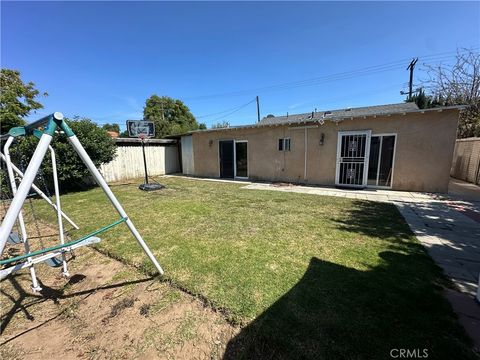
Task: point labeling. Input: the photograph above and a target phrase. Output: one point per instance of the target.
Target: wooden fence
(466, 160)
(162, 158)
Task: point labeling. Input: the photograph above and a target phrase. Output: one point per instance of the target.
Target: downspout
(306, 148)
(305, 128)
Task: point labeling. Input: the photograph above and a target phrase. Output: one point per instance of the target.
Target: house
(395, 146)
(113, 134)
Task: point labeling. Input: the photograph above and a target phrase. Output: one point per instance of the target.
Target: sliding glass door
(241, 159)
(381, 158)
(233, 156)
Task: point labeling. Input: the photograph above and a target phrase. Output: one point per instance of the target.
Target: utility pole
(258, 109)
(410, 67)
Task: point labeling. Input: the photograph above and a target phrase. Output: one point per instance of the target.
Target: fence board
(466, 160)
(128, 164)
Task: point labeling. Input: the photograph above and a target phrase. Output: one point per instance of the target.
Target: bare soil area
(105, 310)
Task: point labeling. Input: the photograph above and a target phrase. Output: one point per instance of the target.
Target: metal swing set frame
(50, 124)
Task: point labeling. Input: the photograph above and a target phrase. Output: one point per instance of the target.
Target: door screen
(352, 158)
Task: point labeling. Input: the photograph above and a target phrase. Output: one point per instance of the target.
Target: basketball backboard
(141, 128)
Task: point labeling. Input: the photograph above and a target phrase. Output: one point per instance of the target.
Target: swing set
(44, 129)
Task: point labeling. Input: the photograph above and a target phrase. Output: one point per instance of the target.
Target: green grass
(307, 276)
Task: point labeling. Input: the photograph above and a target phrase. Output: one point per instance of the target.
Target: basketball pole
(144, 159)
(142, 129)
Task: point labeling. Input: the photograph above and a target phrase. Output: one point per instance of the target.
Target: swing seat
(54, 262)
(13, 239)
(57, 261)
(53, 253)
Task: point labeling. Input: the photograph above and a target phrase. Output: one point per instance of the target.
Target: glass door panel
(380, 166)
(241, 161)
(386, 161)
(373, 160)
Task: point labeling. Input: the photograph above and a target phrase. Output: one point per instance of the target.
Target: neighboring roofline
(310, 121)
(178, 136)
(147, 141)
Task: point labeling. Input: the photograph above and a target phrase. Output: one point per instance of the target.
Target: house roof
(335, 115)
(135, 141)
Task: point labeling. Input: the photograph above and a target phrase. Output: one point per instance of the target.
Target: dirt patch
(105, 310)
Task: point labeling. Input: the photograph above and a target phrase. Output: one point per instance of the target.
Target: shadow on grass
(335, 312)
(376, 219)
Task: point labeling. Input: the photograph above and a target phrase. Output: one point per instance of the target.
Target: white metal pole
(103, 184)
(23, 189)
(59, 208)
(478, 290)
(40, 193)
(21, 222)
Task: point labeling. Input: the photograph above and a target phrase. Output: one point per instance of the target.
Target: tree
(221, 125)
(171, 116)
(17, 99)
(111, 127)
(422, 100)
(124, 134)
(458, 84)
(72, 173)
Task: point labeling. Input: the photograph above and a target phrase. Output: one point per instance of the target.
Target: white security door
(353, 150)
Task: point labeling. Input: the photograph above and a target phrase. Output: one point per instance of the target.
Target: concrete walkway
(365, 194)
(463, 190)
(451, 239)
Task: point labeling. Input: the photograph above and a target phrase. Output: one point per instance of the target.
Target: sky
(102, 60)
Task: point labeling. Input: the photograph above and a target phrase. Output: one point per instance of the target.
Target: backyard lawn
(306, 276)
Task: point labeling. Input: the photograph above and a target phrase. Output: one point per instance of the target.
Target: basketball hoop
(139, 128)
(142, 129)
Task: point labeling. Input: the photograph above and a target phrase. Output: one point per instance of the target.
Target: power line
(314, 82)
(217, 113)
(328, 78)
(294, 84)
(346, 97)
(238, 109)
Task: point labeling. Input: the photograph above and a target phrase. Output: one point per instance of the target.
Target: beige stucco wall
(423, 155)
